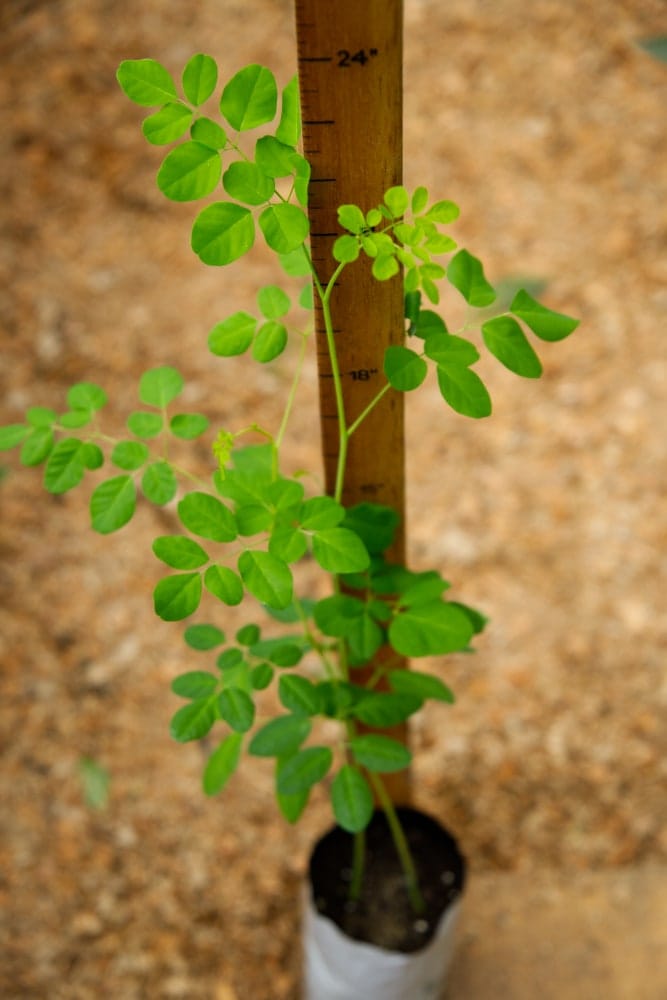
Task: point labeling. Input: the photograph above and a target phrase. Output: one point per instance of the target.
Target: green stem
(358, 865)
(292, 392)
(364, 413)
(400, 843)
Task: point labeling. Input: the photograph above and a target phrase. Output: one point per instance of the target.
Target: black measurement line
(316, 59)
(320, 121)
(325, 234)
(323, 180)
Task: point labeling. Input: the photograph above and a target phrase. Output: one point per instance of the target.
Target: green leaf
(206, 516)
(466, 274)
(159, 482)
(295, 263)
(351, 217)
(285, 227)
(188, 425)
(346, 249)
(145, 425)
(292, 806)
(237, 709)
(250, 98)
(430, 630)
(422, 685)
(146, 82)
(190, 171)
(385, 266)
(96, 781)
(397, 200)
(443, 212)
(179, 552)
(194, 721)
(168, 124)
(339, 550)
(12, 434)
(41, 416)
(222, 763)
(223, 583)
(318, 513)
(195, 684)
(288, 543)
(267, 578)
(464, 391)
(274, 158)
(270, 342)
(37, 446)
(112, 504)
(351, 799)
(282, 735)
(222, 233)
(247, 183)
(429, 323)
(448, 349)
(336, 615)
(159, 386)
(204, 637)
(382, 709)
(380, 753)
(86, 396)
(65, 467)
(273, 302)
(419, 200)
(283, 652)
(233, 335)
(303, 770)
(508, 343)
(261, 676)
(404, 368)
(247, 635)
(93, 457)
(655, 46)
(251, 519)
(208, 132)
(129, 455)
(289, 128)
(545, 323)
(299, 695)
(200, 77)
(374, 523)
(75, 418)
(177, 596)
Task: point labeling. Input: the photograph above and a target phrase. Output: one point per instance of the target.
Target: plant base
(377, 948)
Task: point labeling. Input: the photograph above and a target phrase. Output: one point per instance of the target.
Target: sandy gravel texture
(546, 123)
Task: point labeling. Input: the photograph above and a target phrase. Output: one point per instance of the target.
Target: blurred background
(546, 123)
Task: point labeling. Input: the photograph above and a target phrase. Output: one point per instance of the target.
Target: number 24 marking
(346, 58)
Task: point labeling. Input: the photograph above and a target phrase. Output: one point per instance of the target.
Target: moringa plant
(244, 527)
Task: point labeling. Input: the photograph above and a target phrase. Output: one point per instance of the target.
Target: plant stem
(364, 413)
(400, 843)
(358, 864)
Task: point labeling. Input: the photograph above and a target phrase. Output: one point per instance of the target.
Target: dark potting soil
(383, 916)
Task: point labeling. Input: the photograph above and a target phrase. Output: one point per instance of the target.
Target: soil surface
(546, 123)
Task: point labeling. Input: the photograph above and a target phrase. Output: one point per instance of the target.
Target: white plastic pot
(338, 967)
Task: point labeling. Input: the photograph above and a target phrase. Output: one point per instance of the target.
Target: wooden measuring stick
(350, 56)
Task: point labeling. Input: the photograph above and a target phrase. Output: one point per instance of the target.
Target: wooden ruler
(350, 71)
(350, 56)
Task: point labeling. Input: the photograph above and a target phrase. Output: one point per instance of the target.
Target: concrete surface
(592, 936)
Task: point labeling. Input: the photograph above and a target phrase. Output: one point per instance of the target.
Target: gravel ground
(546, 124)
